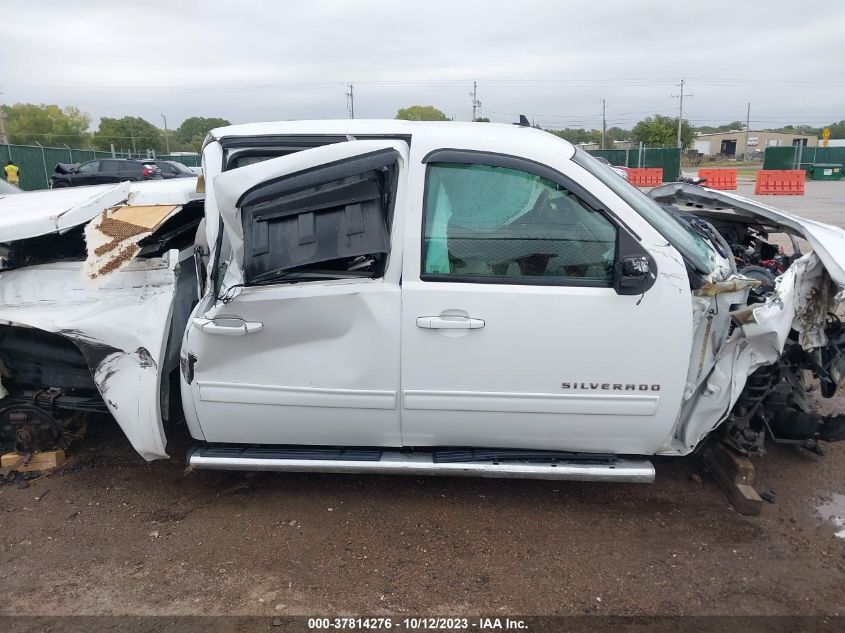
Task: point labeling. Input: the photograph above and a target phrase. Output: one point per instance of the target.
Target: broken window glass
(328, 223)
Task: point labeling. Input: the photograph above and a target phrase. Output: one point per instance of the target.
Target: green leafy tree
(27, 123)
(662, 131)
(725, 127)
(574, 134)
(482, 119)
(421, 113)
(129, 132)
(837, 130)
(798, 129)
(192, 132)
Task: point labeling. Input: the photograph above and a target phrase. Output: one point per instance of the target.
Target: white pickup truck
(425, 298)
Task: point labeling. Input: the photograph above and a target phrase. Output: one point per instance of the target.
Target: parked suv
(171, 169)
(103, 171)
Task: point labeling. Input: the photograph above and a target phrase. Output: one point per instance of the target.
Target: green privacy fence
(667, 158)
(37, 163)
(789, 158)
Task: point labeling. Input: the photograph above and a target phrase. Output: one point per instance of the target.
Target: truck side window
(329, 223)
(484, 223)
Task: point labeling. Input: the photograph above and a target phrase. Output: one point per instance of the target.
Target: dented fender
(121, 326)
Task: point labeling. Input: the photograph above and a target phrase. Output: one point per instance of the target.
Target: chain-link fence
(36, 162)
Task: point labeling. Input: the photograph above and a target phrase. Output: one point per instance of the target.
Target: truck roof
(446, 131)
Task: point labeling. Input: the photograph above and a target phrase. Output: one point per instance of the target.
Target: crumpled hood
(35, 213)
(828, 241)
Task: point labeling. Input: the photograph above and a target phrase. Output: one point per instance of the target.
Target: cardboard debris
(114, 235)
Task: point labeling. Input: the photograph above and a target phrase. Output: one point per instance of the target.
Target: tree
(193, 131)
(129, 132)
(662, 131)
(798, 129)
(482, 119)
(837, 130)
(575, 135)
(725, 127)
(421, 113)
(27, 123)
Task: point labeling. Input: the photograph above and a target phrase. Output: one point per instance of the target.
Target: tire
(60, 185)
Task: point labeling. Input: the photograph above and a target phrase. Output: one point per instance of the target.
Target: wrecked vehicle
(425, 298)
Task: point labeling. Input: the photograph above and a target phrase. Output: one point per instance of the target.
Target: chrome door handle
(227, 326)
(449, 322)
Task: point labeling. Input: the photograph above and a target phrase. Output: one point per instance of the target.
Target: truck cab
(429, 286)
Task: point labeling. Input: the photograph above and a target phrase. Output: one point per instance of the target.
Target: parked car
(103, 171)
(171, 168)
(7, 187)
(426, 298)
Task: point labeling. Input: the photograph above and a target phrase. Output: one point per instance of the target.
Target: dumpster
(824, 171)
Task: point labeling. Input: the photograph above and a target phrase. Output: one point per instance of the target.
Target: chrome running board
(423, 463)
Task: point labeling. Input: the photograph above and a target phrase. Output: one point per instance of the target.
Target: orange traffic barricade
(722, 179)
(780, 182)
(646, 176)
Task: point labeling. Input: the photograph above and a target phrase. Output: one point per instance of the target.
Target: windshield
(691, 245)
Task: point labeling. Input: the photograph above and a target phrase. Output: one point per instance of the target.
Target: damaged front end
(768, 335)
(95, 288)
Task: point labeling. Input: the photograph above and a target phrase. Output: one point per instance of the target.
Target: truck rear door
(306, 349)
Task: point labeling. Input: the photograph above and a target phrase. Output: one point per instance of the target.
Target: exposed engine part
(775, 401)
(760, 273)
(50, 387)
(28, 427)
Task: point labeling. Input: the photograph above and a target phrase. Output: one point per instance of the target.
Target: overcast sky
(553, 61)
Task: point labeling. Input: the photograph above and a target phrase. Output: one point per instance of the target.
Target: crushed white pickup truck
(425, 298)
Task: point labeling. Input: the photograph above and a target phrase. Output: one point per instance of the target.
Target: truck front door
(513, 334)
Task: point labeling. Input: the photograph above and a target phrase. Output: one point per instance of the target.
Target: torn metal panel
(58, 210)
(121, 327)
(799, 302)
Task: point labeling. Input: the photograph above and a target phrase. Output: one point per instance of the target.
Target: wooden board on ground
(735, 476)
(43, 461)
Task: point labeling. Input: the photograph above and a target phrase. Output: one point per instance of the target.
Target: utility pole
(681, 110)
(604, 124)
(476, 104)
(747, 127)
(166, 139)
(4, 139)
(350, 98)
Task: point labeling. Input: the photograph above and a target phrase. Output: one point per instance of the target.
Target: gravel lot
(111, 534)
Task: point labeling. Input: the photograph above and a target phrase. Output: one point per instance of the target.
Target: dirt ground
(112, 534)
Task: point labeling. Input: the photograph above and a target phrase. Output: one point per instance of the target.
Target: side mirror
(633, 275)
